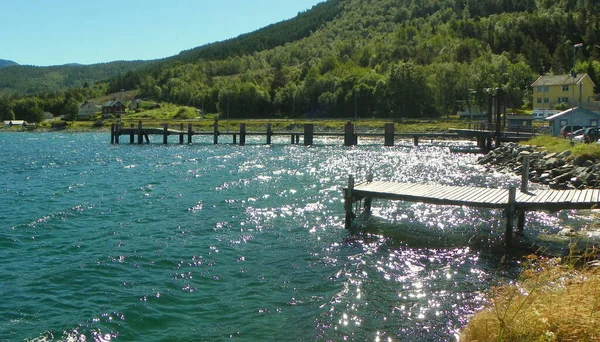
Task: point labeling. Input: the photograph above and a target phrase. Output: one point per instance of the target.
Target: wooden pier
(515, 202)
(140, 134)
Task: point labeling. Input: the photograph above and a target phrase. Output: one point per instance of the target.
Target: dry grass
(552, 301)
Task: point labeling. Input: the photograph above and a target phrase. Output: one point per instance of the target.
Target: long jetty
(514, 202)
(140, 134)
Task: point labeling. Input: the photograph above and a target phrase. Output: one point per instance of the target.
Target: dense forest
(376, 58)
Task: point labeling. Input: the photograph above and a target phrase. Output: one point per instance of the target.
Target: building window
(563, 123)
(539, 89)
(546, 88)
(565, 88)
(594, 123)
(546, 100)
(539, 100)
(563, 99)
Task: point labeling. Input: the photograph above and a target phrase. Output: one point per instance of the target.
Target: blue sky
(55, 32)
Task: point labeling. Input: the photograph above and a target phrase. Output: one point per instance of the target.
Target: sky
(57, 32)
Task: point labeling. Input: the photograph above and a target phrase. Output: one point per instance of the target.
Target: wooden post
(368, 200)
(525, 171)
(348, 202)
(131, 135)
(297, 139)
(112, 133)
(180, 134)
(165, 133)
(309, 130)
(242, 134)
(416, 140)
(389, 134)
(190, 133)
(349, 139)
(235, 139)
(512, 195)
(521, 222)
(269, 133)
(216, 132)
(140, 134)
(117, 132)
(292, 139)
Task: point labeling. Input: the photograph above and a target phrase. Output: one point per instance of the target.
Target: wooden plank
(497, 196)
(579, 198)
(476, 195)
(485, 196)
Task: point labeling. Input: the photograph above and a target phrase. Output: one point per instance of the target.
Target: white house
(88, 109)
(11, 123)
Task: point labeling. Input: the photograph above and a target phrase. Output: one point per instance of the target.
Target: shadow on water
(485, 240)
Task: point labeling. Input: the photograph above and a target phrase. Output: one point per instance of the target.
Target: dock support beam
(368, 200)
(190, 133)
(510, 213)
(180, 134)
(525, 171)
(349, 137)
(140, 133)
(165, 133)
(416, 140)
(216, 132)
(131, 135)
(348, 202)
(309, 130)
(269, 133)
(117, 132)
(389, 134)
(242, 134)
(112, 133)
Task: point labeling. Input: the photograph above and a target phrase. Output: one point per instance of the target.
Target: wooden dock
(515, 202)
(140, 134)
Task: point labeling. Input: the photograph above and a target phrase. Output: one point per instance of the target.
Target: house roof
(572, 111)
(550, 80)
(112, 103)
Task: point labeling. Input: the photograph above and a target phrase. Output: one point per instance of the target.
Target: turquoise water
(203, 242)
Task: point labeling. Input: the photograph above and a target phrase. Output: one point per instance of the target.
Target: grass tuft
(553, 301)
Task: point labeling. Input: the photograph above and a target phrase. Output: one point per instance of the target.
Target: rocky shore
(557, 170)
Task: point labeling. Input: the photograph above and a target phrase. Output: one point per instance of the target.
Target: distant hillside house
(574, 116)
(549, 91)
(113, 107)
(88, 109)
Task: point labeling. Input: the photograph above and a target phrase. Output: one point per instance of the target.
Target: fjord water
(211, 242)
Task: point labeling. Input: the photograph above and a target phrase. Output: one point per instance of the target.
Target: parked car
(591, 134)
(566, 130)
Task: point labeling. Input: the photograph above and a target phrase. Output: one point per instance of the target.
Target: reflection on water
(206, 242)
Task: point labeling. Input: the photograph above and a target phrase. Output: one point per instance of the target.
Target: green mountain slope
(24, 79)
(386, 58)
(5, 63)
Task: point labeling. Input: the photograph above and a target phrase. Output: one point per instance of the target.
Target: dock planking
(481, 197)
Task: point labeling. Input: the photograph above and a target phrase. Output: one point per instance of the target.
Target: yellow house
(549, 91)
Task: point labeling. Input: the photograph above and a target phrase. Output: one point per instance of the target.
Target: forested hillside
(5, 63)
(385, 58)
(26, 79)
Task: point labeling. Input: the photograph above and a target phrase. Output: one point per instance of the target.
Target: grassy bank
(552, 301)
(559, 145)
